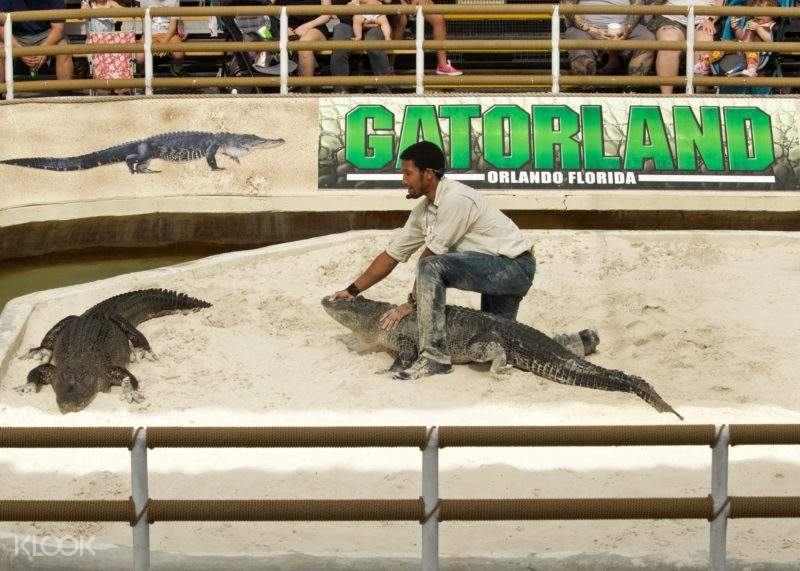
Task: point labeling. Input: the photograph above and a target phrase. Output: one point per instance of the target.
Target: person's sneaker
(423, 367)
(447, 69)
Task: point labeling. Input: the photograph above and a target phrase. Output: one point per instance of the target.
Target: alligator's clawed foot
(26, 388)
(501, 370)
(139, 354)
(38, 353)
(129, 394)
(423, 367)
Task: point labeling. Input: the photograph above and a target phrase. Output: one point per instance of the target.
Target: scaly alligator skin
(173, 147)
(475, 336)
(88, 354)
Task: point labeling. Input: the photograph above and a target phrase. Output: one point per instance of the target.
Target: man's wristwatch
(412, 300)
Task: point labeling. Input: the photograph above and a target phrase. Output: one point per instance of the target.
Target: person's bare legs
(438, 28)
(668, 62)
(358, 27)
(386, 27)
(177, 57)
(64, 66)
(306, 62)
(398, 23)
(641, 63)
(702, 36)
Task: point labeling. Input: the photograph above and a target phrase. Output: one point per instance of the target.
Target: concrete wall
(273, 194)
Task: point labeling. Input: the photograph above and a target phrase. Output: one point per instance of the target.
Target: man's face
(413, 179)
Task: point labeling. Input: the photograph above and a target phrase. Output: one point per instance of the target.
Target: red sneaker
(447, 69)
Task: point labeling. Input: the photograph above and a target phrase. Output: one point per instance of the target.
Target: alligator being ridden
(88, 354)
(475, 336)
(173, 147)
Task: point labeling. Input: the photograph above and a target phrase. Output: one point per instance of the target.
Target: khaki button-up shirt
(460, 219)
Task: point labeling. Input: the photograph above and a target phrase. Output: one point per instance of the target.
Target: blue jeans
(502, 283)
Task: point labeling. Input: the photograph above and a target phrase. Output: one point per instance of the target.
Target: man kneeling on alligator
(469, 245)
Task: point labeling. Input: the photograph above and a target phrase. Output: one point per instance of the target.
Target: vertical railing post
(420, 52)
(141, 528)
(555, 50)
(719, 493)
(148, 52)
(430, 499)
(283, 46)
(7, 54)
(690, 51)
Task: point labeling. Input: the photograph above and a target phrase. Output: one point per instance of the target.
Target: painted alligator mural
(178, 147)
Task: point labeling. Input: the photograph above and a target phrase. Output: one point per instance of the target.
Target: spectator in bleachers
(340, 59)
(366, 21)
(99, 25)
(102, 30)
(37, 34)
(166, 30)
(307, 29)
(750, 31)
(673, 28)
(443, 66)
(611, 28)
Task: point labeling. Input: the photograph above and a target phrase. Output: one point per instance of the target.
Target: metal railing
(420, 46)
(140, 511)
(420, 81)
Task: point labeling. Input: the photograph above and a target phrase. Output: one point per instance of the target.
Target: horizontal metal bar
(388, 436)
(429, 45)
(648, 435)
(285, 510)
(67, 510)
(485, 9)
(764, 507)
(770, 434)
(576, 509)
(286, 437)
(436, 81)
(66, 437)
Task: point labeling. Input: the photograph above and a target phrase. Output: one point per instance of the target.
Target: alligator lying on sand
(88, 354)
(174, 147)
(475, 336)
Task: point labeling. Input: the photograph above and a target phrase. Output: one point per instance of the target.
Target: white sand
(710, 319)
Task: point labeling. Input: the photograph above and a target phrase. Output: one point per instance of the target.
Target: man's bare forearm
(56, 35)
(632, 20)
(579, 20)
(380, 267)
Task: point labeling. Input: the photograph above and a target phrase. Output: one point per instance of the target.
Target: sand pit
(710, 319)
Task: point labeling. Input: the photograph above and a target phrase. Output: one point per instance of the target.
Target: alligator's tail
(81, 162)
(581, 373)
(141, 305)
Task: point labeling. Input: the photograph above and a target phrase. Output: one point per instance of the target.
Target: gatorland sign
(549, 143)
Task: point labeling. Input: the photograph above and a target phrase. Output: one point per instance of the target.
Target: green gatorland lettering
(550, 137)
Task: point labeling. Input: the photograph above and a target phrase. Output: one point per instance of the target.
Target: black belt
(525, 254)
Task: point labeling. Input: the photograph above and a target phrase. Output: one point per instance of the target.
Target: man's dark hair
(425, 155)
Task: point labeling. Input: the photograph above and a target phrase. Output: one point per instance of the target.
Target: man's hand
(343, 294)
(390, 320)
(33, 62)
(752, 25)
(708, 27)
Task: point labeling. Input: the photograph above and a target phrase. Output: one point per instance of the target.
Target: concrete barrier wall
(310, 170)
